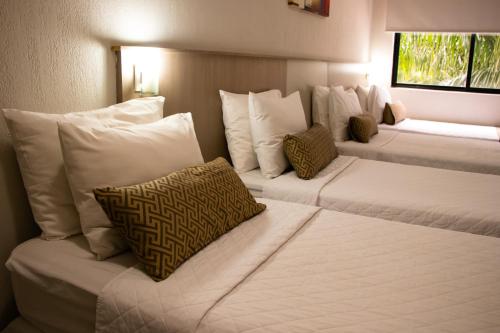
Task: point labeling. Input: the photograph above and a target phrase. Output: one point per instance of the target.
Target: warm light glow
(146, 62)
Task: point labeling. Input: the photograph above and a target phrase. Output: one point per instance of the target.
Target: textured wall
(481, 109)
(55, 54)
(55, 57)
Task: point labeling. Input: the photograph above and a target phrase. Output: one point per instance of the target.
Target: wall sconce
(147, 71)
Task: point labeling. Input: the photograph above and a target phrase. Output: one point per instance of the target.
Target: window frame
(467, 88)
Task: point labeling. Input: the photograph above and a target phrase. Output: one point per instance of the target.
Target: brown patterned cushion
(168, 220)
(363, 127)
(310, 151)
(394, 113)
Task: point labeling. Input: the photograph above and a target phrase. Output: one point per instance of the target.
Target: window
(462, 62)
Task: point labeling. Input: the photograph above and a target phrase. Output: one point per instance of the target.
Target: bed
(56, 283)
(446, 199)
(467, 131)
(291, 268)
(462, 154)
(298, 268)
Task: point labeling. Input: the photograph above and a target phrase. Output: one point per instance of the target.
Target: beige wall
(55, 57)
(482, 109)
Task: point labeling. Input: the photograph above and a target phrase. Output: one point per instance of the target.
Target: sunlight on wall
(380, 68)
(136, 22)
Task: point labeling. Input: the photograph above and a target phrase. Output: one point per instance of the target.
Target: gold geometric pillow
(362, 127)
(168, 220)
(310, 151)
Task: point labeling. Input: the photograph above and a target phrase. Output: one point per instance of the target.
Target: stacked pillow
(334, 107)
(377, 99)
(270, 120)
(97, 157)
(343, 104)
(235, 116)
(255, 126)
(35, 140)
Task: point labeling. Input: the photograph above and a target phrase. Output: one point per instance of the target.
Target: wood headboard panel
(190, 82)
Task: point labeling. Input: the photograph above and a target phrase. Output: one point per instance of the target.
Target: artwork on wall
(320, 7)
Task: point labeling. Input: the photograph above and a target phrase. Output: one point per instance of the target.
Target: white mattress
(443, 152)
(296, 270)
(447, 199)
(56, 283)
(446, 129)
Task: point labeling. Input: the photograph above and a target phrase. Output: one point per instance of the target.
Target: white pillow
(343, 104)
(377, 98)
(36, 142)
(270, 120)
(362, 93)
(237, 127)
(320, 106)
(98, 157)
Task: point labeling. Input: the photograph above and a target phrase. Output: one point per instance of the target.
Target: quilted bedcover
(443, 152)
(297, 269)
(447, 199)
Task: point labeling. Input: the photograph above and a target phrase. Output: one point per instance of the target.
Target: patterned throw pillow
(310, 151)
(168, 220)
(394, 113)
(363, 127)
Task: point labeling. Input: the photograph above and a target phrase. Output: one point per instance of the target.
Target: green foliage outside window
(443, 59)
(486, 68)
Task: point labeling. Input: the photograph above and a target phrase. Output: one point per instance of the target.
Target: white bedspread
(447, 199)
(133, 302)
(446, 129)
(336, 273)
(283, 187)
(443, 152)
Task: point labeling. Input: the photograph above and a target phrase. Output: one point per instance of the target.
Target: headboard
(190, 82)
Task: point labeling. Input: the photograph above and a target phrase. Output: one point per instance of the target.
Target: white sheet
(56, 283)
(446, 129)
(334, 273)
(446, 199)
(443, 152)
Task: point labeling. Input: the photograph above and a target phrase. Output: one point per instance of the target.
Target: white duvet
(446, 199)
(445, 129)
(481, 156)
(293, 269)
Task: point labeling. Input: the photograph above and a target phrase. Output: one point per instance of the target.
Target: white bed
(447, 199)
(299, 268)
(472, 155)
(445, 129)
(56, 283)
